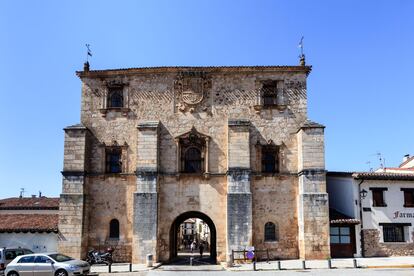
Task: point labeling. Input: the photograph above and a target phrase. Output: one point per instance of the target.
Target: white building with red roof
(29, 222)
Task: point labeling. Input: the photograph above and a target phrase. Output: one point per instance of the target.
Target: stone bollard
(329, 263)
(231, 262)
(191, 260)
(149, 260)
(355, 263)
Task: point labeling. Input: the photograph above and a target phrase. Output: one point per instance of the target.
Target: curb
(389, 266)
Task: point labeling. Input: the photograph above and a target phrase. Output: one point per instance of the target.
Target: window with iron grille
(192, 160)
(393, 233)
(270, 160)
(378, 197)
(269, 92)
(113, 160)
(192, 150)
(114, 229)
(270, 233)
(115, 98)
(408, 197)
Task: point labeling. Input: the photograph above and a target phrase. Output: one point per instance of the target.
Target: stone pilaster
(313, 209)
(239, 197)
(145, 221)
(72, 220)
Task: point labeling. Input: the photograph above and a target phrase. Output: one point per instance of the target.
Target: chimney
(86, 67)
(406, 157)
(40, 194)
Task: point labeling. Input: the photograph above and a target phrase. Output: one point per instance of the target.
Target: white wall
(394, 199)
(37, 242)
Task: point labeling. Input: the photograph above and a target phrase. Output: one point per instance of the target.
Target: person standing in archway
(201, 247)
(193, 246)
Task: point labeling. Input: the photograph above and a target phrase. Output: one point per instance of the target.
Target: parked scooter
(96, 257)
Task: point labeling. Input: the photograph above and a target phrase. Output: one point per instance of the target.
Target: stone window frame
(408, 192)
(111, 87)
(275, 234)
(184, 142)
(123, 157)
(379, 191)
(114, 229)
(280, 101)
(267, 146)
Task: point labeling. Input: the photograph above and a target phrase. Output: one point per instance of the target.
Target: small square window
(378, 197)
(408, 197)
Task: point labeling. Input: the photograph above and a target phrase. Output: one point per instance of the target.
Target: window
(25, 260)
(269, 92)
(192, 160)
(113, 160)
(378, 197)
(393, 232)
(340, 235)
(270, 233)
(270, 162)
(408, 197)
(114, 229)
(115, 98)
(42, 259)
(192, 150)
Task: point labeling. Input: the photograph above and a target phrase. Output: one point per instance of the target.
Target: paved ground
(315, 272)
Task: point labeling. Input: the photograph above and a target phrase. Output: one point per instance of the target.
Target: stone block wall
(374, 248)
(228, 114)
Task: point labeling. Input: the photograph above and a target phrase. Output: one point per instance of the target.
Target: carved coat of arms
(191, 88)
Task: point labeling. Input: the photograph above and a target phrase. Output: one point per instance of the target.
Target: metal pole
(303, 264)
(110, 268)
(130, 267)
(279, 266)
(191, 260)
(254, 263)
(329, 263)
(355, 263)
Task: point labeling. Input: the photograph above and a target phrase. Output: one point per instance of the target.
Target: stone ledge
(148, 125)
(239, 122)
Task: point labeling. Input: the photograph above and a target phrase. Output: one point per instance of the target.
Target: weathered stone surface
(374, 248)
(225, 106)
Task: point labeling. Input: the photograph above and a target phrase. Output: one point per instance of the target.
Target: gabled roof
(30, 203)
(34, 223)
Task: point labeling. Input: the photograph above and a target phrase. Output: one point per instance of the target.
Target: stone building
(232, 146)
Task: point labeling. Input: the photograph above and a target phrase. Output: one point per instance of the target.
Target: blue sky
(360, 86)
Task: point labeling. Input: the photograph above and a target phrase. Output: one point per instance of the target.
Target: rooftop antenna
(381, 160)
(302, 55)
(88, 54)
(369, 166)
(21, 192)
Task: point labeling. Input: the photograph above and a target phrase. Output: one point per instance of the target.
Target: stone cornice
(207, 69)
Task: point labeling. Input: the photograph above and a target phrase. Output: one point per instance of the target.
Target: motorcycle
(96, 257)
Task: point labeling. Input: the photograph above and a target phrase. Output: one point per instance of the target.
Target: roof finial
(88, 54)
(302, 61)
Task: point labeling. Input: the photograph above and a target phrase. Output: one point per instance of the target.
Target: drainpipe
(360, 218)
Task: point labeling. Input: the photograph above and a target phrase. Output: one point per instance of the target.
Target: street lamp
(363, 193)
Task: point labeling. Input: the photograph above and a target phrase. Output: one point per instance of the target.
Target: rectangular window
(393, 233)
(113, 160)
(378, 197)
(269, 92)
(408, 197)
(340, 235)
(270, 160)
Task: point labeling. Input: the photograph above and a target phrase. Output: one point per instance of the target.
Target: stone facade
(225, 109)
(374, 248)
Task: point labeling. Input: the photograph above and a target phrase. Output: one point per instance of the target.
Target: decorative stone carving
(190, 88)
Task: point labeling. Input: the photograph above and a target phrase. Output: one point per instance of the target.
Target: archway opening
(190, 232)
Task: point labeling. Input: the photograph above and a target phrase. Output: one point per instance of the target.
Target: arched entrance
(175, 228)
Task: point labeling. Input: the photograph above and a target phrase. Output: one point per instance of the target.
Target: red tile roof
(36, 203)
(383, 176)
(28, 223)
(336, 217)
